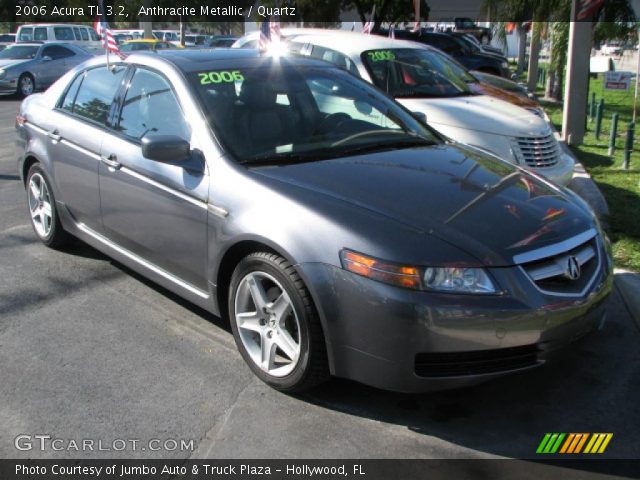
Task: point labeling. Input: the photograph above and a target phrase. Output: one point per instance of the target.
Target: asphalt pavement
(91, 350)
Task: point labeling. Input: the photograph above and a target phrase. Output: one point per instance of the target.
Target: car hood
(507, 96)
(486, 207)
(6, 63)
(481, 113)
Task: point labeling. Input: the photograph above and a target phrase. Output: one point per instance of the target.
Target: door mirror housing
(420, 116)
(165, 148)
(46, 58)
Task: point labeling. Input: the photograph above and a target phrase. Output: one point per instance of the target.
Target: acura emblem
(573, 268)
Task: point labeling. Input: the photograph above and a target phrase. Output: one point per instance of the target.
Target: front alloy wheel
(42, 209)
(275, 325)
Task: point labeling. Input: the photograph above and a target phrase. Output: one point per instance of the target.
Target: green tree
(391, 11)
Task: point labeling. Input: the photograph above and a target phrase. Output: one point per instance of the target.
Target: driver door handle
(54, 135)
(111, 161)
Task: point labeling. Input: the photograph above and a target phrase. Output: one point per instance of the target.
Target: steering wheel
(331, 122)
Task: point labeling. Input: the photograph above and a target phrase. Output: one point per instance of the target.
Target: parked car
(425, 80)
(78, 34)
(486, 47)
(27, 67)
(338, 234)
(460, 49)
(504, 84)
(145, 44)
(6, 39)
(612, 48)
(172, 36)
(465, 25)
(221, 41)
(195, 40)
(477, 47)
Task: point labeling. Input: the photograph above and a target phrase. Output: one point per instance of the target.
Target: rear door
(76, 128)
(157, 211)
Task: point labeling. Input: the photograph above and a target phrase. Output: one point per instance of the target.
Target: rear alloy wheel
(42, 208)
(26, 85)
(275, 325)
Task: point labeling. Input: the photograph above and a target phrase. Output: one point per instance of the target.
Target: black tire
(312, 367)
(23, 80)
(57, 237)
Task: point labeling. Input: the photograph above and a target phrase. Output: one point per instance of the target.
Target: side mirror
(420, 116)
(165, 148)
(46, 58)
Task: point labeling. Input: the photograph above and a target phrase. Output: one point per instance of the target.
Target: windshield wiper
(380, 147)
(283, 158)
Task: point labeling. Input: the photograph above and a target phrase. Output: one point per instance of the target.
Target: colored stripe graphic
(574, 443)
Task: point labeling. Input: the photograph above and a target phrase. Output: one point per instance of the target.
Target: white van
(80, 34)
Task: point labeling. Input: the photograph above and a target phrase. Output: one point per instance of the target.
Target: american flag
(368, 27)
(104, 32)
(586, 9)
(269, 32)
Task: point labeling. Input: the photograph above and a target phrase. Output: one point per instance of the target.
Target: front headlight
(440, 279)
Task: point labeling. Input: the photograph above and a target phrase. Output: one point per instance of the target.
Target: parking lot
(91, 350)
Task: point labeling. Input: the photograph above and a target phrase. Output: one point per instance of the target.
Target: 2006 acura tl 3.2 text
(339, 234)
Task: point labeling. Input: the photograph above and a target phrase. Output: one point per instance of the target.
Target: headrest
(257, 94)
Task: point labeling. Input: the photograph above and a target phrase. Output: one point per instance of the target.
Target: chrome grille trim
(537, 151)
(554, 267)
(556, 248)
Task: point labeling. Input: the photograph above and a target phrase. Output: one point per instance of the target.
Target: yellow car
(146, 44)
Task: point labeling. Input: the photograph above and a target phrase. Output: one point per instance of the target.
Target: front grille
(551, 274)
(456, 364)
(537, 152)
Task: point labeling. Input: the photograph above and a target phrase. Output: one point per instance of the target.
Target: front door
(158, 211)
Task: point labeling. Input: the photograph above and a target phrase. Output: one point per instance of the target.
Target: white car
(611, 48)
(420, 79)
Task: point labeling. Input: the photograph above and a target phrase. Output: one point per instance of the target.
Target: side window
(76, 32)
(334, 57)
(40, 34)
(56, 52)
(63, 33)
(96, 93)
(150, 106)
(84, 34)
(94, 35)
(70, 97)
(26, 34)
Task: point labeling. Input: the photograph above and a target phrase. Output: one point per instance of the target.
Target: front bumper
(561, 173)
(8, 85)
(410, 341)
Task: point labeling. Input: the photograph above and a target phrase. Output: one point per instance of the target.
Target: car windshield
(19, 52)
(414, 72)
(279, 112)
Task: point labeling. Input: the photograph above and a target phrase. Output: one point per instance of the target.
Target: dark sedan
(337, 233)
(472, 57)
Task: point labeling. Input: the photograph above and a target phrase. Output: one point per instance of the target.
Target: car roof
(200, 60)
(354, 43)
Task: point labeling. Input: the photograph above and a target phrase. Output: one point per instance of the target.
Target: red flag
(585, 9)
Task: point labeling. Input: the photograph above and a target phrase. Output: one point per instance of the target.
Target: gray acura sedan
(338, 233)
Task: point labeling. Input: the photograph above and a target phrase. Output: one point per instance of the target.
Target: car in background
(193, 40)
(504, 84)
(337, 233)
(6, 39)
(147, 44)
(612, 48)
(460, 49)
(221, 41)
(27, 67)
(172, 36)
(425, 80)
(466, 25)
(78, 34)
(477, 47)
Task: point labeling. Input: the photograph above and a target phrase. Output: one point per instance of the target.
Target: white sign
(617, 80)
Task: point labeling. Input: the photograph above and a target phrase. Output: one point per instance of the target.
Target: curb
(628, 284)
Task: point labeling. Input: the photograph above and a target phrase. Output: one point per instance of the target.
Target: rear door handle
(55, 135)
(111, 161)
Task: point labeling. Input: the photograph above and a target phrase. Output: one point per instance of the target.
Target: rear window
(95, 95)
(84, 34)
(40, 34)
